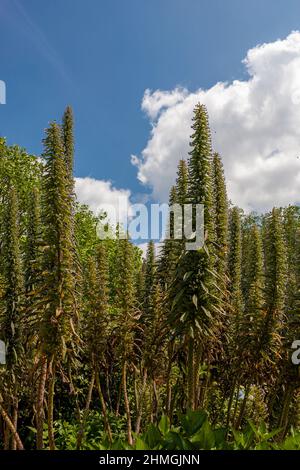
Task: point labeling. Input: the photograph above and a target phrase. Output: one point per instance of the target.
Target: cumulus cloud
(101, 196)
(255, 126)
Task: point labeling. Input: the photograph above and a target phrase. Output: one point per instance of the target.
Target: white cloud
(153, 103)
(255, 126)
(100, 194)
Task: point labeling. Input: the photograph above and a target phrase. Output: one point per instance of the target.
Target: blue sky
(101, 55)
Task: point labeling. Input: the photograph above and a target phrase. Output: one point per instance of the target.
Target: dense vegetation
(105, 349)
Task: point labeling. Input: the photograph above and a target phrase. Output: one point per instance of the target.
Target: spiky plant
(168, 255)
(12, 314)
(58, 295)
(68, 142)
(221, 216)
(195, 312)
(269, 329)
(96, 330)
(128, 314)
(32, 263)
(236, 302)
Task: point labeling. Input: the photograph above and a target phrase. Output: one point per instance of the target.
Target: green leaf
(220, 438)
(187, 275)
(175, 441)
(140, 444)
(118, 445)
(205, 438)
(193, 421)
(152, 437)
(164, 425)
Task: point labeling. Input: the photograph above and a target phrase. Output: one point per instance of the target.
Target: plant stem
(104, 410)
(51, 405)
(40, 404)
(126, 403)
(86, 411)
(11, 428)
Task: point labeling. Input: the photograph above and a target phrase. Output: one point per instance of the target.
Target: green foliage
(13, 298)
(194, 432)
(235, 260)
(221, 215)
(58, 259)
(186, 351)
